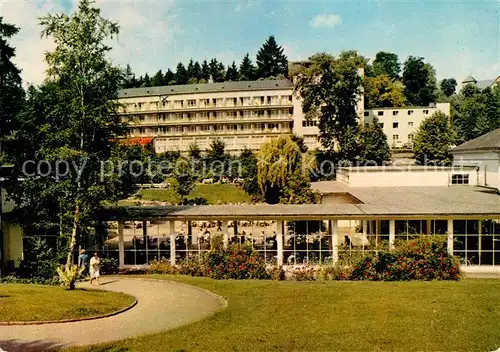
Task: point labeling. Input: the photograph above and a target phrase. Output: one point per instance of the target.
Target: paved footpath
(162, 305)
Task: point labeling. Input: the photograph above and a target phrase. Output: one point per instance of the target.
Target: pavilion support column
(365, 231)
(279, 240)
(333, 225)
(428, 226)
(194, 238)
(450, 236)
(172, 242)
(480, 233)
(378, 229)
(225, 233)
(121, 245)
(146, 239)
(392, 233)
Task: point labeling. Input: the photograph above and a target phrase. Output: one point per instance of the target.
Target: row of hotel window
(212, 114)
(238, 143)
(214, 102)
(395, 112)
(310, 123)
(259, 127)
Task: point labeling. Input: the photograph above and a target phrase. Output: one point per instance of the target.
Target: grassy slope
(214, 194)
(34, 302)
(326, 316)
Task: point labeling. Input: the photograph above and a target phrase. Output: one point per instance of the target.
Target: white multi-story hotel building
(401, 124)
(242, 114)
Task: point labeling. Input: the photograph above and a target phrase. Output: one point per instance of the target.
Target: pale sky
(456, 37)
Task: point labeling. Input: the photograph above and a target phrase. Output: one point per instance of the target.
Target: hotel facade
(243, 114)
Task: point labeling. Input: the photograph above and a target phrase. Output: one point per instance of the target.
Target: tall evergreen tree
(11, 92)
(247, 69)
(205, 70)
(147, 81)
(128, 78)
(217, 70)
(181, 76)
(169, 77)
(158, 79)
(232, 72)
(271, 61)
(190, 69)
(197, 71)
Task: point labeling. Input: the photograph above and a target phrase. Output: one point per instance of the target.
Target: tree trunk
(74, 232)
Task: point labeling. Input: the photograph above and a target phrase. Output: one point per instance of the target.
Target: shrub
(423, 258)
(237, 261)
(276, 273)
(305, 273)
(162, 266)
(40, 261)
(109, 266)
(334, 272)
(193, 267)
(31, 281)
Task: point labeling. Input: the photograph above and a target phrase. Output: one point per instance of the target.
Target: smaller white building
(484, 154)
(408, 176)
(401, 124)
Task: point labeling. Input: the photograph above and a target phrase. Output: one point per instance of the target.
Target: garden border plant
(422, 258)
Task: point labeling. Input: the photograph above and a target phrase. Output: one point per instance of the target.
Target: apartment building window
(191, 103)
(394, 113)
(269, 100)
(410, 137)
(289, 99)
(139, 105)
(235, 101)
(395, 124)
(380, 113)
(142, 131)
(206, 102)
(309, 123)
(234, 113)
(395, 137)
(367, 113)
(192, 128)
(189, 115)
(179, 103)
(290, 112)
(410, 123)
(410, 112)
(460, 179)
(426, 112)
(214, 114)
(205, 128)
(142, 118)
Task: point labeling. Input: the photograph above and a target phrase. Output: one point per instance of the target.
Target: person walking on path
(83, 262)
(95, 264)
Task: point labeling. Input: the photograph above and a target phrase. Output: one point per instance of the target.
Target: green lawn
(19, 302)
(214, 194)
(327, 316)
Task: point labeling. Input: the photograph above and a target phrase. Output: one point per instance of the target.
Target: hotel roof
(383, 202)
(486, 142)
(205, 88)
